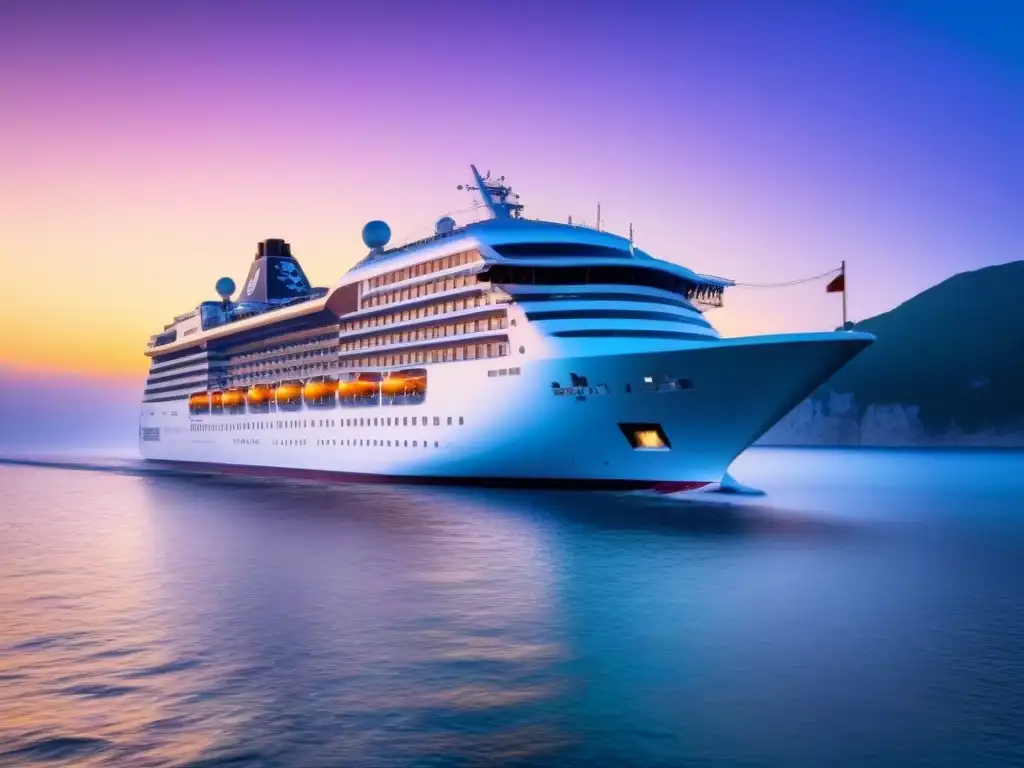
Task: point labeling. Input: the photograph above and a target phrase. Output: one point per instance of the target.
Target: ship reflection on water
(162, 619)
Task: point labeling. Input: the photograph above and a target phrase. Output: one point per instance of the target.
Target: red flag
(837, 284)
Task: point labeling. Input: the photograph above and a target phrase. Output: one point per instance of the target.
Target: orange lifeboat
(416, 383)
(393, 384)
(259, 397)
(233, 398)
(199, 402)
(320, 392)
(216, 402)
(289, 395)
(346, 389)
(367, 384)
(408, 383)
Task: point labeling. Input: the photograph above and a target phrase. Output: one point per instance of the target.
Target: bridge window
(524, 250)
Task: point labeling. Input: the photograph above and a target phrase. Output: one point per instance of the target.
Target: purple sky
(145, 147)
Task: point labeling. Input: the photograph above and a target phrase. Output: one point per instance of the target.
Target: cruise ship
(507, 351)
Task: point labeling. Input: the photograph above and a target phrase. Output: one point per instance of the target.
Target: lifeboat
(393, 384)
(367, 384)
(234, 400)
(416, 383)
(289, 395)
(216, 402)
(320, 392)
(410, 383)
(259, 397)
(346, 389)
(199, 402)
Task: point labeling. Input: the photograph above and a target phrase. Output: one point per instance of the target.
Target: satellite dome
(225, 287)
(444, 225)
(376, 234)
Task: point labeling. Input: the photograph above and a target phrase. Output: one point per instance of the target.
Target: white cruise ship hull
(480, 425)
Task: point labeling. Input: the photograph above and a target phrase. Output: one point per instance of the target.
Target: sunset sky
(146, 147)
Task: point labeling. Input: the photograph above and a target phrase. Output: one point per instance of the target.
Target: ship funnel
(275, 275)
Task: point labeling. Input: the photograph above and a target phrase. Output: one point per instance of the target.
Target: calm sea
(868, 611)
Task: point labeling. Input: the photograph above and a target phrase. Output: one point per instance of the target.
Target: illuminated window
(646, 437)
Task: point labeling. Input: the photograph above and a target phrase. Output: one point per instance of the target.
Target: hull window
(646, 437)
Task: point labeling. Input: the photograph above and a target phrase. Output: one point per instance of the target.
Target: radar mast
(501, 200)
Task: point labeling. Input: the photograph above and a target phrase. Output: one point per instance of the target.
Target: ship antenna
(598, 217)
(502, 202)
(631, 251)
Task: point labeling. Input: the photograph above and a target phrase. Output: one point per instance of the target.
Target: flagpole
(843, 273)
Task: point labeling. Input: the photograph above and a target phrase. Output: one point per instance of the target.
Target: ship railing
(304, 346)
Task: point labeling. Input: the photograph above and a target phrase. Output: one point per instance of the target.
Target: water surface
(870, 609)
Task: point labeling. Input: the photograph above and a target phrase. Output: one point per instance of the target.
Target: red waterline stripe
(678, 487)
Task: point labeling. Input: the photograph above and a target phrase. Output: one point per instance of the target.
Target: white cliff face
(892, 425)
(836, 421)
